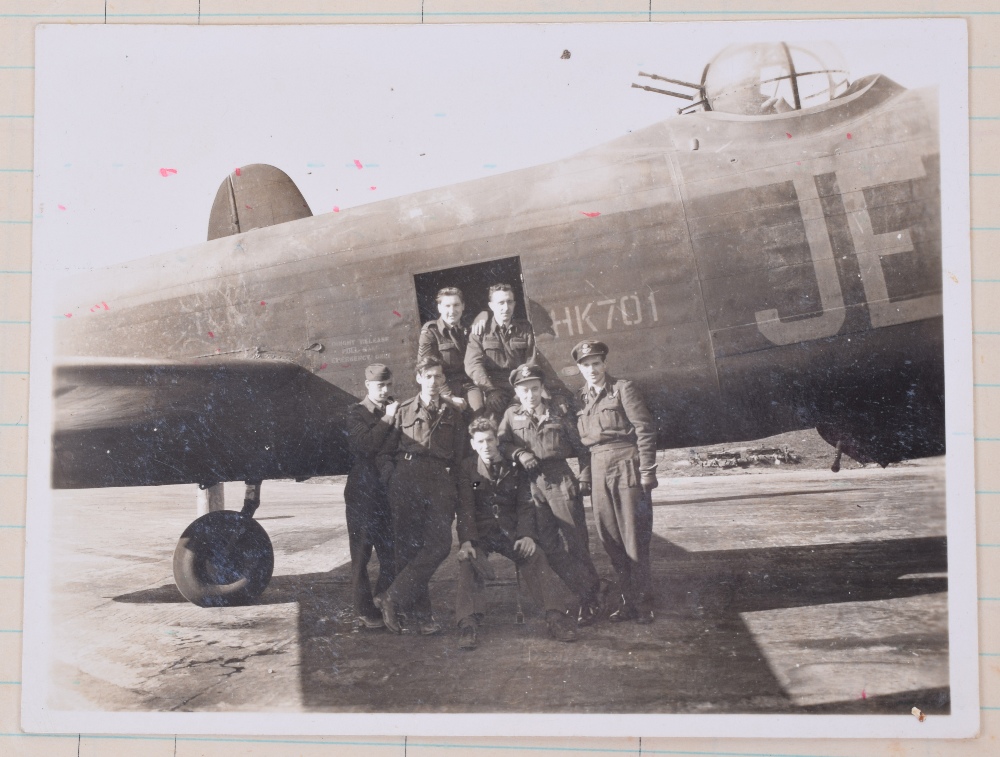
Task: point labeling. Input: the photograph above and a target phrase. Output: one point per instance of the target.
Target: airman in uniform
(539, 435)
(493, 518)
(446, 339)
(369, 519)
(504, 344)
(420, 462)
(618, 429)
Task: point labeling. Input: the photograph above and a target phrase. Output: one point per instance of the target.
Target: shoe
(429, 627)
(644, 617)
(560, 626)
(372, 623)
(623, 613)
(587, 614)
(384, 603)
(469, 640)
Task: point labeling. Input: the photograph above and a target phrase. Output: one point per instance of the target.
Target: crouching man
(492, 518)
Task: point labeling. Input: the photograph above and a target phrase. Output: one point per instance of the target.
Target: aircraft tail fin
(252, 197)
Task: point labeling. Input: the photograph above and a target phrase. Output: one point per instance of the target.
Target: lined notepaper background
(17, 21)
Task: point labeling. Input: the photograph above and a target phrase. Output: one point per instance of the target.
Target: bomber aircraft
(766, 260)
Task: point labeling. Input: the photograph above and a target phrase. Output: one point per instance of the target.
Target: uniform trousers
(624, 515)
(423, 498)
(543, 584)
(369, 525)
(562, 526)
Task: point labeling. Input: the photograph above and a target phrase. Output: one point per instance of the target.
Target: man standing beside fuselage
(618, 429)
(369, 519)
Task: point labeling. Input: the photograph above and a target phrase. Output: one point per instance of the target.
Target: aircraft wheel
(223, 558)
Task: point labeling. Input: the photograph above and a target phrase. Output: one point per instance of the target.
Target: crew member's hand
(528, 461)
(467, 551)
(479, 325)
(496, 402)
(391, 408)
(457, 402)
(585, 490)
(525, 546)
(649, 482)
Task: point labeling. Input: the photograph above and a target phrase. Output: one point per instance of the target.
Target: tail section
(252, 197)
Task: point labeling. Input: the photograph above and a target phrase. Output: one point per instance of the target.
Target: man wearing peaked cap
(618, 430)
(524, 373)
(589, 347)
(369, 520)
(538, 435)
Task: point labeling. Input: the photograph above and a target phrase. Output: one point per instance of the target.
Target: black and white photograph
(542, 379)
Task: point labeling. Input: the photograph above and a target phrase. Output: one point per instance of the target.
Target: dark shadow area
(935, 701)
(761, 495)
(698, 657)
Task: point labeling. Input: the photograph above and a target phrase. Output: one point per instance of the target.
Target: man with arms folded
(618, 429)
(420, 462)
(539, 435)
(369, 519)
(492, 518)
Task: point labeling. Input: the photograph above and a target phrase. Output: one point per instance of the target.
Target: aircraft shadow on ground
(699, 656)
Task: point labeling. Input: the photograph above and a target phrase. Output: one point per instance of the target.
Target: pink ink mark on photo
(165, 172)
(101, 306)
(239, 172)
(248, 207)
(211, 335)
(849, 135)
(336, 208)
(592, 214)
(262, 303)
(397, 314)
(788, 135)
(864, 694)
(372, 188)
(358, 164)
(62, 207)
(323, 367)
(68, 315)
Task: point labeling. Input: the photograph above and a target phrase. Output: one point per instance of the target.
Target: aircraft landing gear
(223, 558)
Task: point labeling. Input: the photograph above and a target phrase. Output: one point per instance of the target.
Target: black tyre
(224, 558)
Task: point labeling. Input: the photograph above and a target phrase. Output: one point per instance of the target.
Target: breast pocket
(493, 348)
(553, 436)
(611, 417)
(519, 346)
(414, 428)
(451, 355)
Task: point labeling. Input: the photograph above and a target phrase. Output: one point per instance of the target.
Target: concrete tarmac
(791, 591)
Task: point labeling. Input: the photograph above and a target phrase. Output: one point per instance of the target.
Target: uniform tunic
(416, 460)
(369, 518)
(491, 356)
(493, 517)
(619, 431)
(559, 514)
(447, 344)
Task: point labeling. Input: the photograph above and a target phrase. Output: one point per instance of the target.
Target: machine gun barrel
(664, 92)
(670, 81)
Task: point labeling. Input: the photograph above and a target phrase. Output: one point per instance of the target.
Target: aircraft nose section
(252, 197)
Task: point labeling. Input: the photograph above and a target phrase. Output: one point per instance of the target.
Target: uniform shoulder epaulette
(430, 326)
(407, 403)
